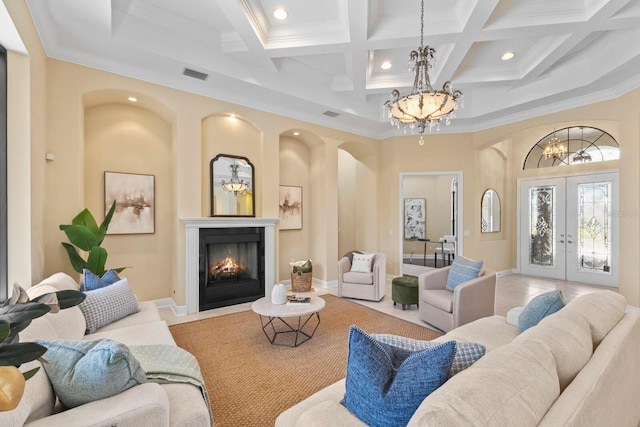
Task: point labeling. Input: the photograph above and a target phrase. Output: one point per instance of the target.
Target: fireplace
(231, 266)
(193, 262)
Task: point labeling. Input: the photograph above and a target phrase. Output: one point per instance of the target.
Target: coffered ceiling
(325, 58)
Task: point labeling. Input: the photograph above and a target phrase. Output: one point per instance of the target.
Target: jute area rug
(250, 381)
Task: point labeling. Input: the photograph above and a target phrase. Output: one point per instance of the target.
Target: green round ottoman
(404, 290)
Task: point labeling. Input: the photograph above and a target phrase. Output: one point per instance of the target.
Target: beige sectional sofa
(148, 404)
(578, 367)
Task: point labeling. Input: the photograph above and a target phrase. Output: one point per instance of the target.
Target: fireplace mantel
(193, 226)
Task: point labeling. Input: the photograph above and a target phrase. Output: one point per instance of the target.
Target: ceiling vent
(331, 113)
(195, 74)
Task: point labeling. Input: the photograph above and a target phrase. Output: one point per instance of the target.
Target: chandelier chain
(421, 24)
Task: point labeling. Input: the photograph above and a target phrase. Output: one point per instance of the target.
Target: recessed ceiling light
(232, 116)
(386, 65)
(132, 99)
(280, 14)
(507, 56)
(296, 133)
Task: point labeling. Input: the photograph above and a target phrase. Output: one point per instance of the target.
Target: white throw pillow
(362, 263)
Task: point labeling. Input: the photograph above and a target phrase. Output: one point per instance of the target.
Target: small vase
(279, 294)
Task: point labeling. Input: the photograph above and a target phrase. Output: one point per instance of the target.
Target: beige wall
(128, 139)
(295, 165)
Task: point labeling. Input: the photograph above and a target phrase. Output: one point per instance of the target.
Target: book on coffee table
(294, 300)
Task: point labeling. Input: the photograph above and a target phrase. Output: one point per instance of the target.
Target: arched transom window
(572, 145)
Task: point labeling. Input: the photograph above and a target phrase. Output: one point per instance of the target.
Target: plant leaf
(97, 259)
(18, 313)
(17, 354)
(81, 236)
(5, 329)
(69, 298)
(102, 231)
(86, 219)
(31, 373)
(77, 262)
(119, 269)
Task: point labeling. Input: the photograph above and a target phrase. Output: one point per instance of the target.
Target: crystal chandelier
(424, 105)
(235, 185)
(554, 149)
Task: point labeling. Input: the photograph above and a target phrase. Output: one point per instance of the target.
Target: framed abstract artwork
(415, 215)
(134, 195)
(290, 207)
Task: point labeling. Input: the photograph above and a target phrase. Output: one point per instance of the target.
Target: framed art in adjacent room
(134, 195)
(415, 215)
(290, 207)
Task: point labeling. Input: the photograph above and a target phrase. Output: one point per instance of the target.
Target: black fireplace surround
(231, 266)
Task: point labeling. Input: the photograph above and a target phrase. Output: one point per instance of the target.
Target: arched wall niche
(300, 163)
(135, 138)
(493, 174)
(357, 197)
(227, 133)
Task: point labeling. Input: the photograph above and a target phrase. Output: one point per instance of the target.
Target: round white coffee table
(282, 319)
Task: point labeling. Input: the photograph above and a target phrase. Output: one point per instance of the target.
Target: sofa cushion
(466, 353)
(602, 309)
(439, 298)
(362, 263)
(538, 308)
(462, 270)
(568, 336)
(92, 281)
(513, 385)
(359, 278)
(492, 332)
(67, 324)
(385, 384)
(84, 371)
(105, 305)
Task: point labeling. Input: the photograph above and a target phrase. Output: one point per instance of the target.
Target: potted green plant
(15, 315)
(85, 235)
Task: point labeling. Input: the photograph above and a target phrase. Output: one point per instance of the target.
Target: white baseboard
(178, 310)
(505, 272)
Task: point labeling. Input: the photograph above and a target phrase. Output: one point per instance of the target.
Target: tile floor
(512, 291)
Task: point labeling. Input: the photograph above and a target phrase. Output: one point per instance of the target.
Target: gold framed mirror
(232, 186)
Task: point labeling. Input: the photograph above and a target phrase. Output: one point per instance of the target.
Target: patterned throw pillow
(83, 371)
(462, 270)
(105, 305)
(467, 353)
(92, 281)
(362, 263)
(538, 308)
(386, 384)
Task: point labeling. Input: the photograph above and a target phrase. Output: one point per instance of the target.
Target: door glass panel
(594, 227)
(541, 222)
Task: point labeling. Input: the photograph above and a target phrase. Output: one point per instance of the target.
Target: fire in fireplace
(231, 266)
(227, 269)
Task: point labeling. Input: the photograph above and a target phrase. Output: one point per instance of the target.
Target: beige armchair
(360, 285)
(447, 309)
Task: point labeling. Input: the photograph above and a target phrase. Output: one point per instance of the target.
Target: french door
(568, 228)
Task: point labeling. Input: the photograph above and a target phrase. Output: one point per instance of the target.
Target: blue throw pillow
(538, 308)
(386, 384)
(92, 281)
(83, 371)
(462, 270)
